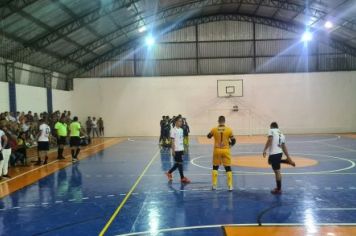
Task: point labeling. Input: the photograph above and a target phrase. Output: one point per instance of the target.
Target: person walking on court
(62, 132)
(177, 151)
(75, 132)
(101, 126)
(276, 144)
(94, 127)
(223, 141)
(43, 142)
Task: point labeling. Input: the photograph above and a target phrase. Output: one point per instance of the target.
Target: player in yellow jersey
(224, 140)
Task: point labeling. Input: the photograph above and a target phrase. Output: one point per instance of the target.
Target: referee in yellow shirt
(223, 140)
(75, 131)
(62, 133)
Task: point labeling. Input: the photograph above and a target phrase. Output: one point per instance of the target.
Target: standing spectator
(61, 128)
(94, 127)
(186, 132)
(21, 148)
(29, 116)
(88, 125)
(5, 151)
(101, 126)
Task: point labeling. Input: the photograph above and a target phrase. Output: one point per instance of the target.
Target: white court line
(340, 147)
(2, 182)
(156, 232)
(287, 173)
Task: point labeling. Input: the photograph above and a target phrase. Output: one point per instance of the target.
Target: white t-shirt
(94, 124)
(45, 131)
(2, 133)
(177, 135)
(277, 140)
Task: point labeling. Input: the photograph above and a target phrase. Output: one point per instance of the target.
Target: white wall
(301, 103)
(63, 100)
(29, 98)
(4, 96)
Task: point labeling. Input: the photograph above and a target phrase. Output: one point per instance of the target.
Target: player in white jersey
(276, 144)
(43, 142)
(177, 151)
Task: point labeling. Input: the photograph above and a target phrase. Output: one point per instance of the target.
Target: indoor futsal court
(178, 117)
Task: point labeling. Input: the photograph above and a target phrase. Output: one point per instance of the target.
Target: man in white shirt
(94, 127)
(276, 144)
(43, 142)
(177, 151)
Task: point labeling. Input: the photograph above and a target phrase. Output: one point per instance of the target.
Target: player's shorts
(74, 141)
(178, 156)
(62, 140)
(43, 146)
(222, 156)
(275, 161)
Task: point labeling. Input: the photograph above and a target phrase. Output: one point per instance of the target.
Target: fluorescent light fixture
(150, 41)
(142, 29)
(307, 36)
(328, 25)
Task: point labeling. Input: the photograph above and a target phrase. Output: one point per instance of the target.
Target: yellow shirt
(74, 128)
(222, 135)
(61, 129)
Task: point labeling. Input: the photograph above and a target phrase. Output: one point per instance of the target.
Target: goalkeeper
(223, 141)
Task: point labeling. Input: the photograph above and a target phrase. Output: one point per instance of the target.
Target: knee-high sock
(77, 153)
(72, 152)
(229, 178)
(214, 176)
(180, 168)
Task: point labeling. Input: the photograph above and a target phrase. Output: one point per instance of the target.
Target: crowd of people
(20, 131)
(167, 124)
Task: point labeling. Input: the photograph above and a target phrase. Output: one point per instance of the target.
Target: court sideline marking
(118, 209)
(155, 232)
(55, 161)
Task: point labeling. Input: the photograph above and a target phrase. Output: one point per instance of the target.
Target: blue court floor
(80, 199)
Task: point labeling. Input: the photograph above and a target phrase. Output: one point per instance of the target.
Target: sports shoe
(185, 180)
(276, 191)
(290, 162)
(74, 160)
(169, 176)
(6, 176)
(60, 158)
(230, 188)
(214, 187)
(38, 163)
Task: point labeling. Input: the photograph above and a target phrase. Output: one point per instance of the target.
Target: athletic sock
(72, 152)
(279, 184)
(61, 152)
(229, 178)
(180, 168)
(214, 176)
(77, 153)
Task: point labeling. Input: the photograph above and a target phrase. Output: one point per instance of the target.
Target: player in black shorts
(43, 142)
(75, 132)
(276, 145)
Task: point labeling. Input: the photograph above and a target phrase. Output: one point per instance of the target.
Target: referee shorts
(74, 141)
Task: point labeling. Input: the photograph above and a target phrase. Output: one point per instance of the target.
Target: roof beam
(206, 19)
(45, 40)
(6, 11)
(176, 10)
